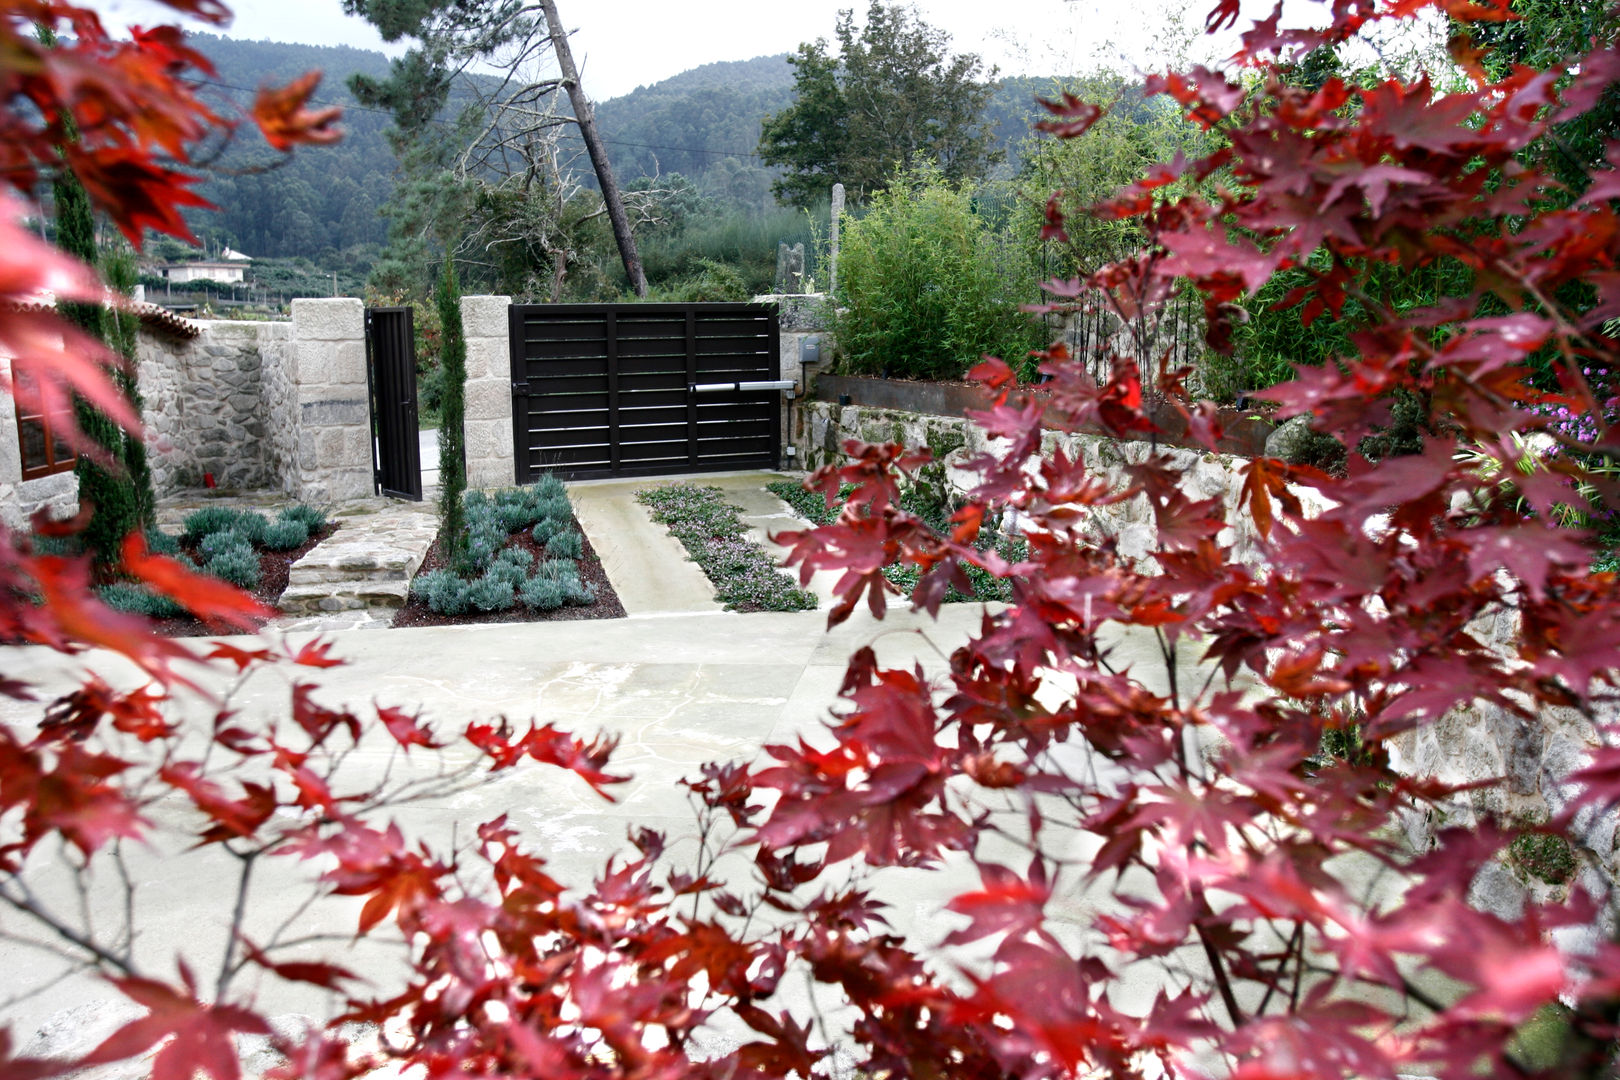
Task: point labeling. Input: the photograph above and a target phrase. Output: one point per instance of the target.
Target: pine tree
(452, 434)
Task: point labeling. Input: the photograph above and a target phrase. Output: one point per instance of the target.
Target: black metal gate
(644, 389)
(396, 456)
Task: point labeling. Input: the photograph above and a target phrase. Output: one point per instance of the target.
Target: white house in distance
(228, 269)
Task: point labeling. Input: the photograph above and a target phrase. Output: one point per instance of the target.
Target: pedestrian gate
(396, 455)
(644, 389)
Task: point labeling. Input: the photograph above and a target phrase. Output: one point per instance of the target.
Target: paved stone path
(361, 575)
(356, 579)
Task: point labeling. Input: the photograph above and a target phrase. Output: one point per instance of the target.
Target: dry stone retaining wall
(1533, 755)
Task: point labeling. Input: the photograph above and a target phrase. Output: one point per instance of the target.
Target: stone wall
(262, 405)
(1533, 755)
(490, 460)
(328, 401)
(826, 426)
(204, 406)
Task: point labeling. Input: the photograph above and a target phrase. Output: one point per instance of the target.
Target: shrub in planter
(549, 487)
(492, 592)
(160, 542)
(237, 565)
(516, 556)
(218, 543)
(543, 593)
(515, 516)
(285, 534)
(209, 520)
(501, 570)
(566, 545)
(312, 518)
(139, 600)
(442, 591)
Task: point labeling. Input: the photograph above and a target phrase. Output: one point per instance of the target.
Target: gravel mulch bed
(607, 606)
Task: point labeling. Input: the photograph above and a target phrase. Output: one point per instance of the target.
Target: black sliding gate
(396, 455)
(644, 389)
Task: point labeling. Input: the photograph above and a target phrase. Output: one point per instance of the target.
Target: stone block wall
(489, 391)
(263, 405)
(328, 402)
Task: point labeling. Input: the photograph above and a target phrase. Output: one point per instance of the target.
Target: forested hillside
(328, 203)
(324, 202)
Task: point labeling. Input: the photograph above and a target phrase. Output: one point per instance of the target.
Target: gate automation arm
(724, 387)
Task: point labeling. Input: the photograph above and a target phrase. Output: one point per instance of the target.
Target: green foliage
(493, 591)
(227, 540)
(313, 518)
(160, 542)
(893, 93)
(452, 408)
(103, 484)
(926, 285)
(285, 534)
(743, 241)
(521, 558)
(443, 591)
(139, 600)
(1547, 857)
(709, 282)
(566, 545)
(1545, 34)
(238, 565)
(118, 268)
(710, 529)
(543, 593)
(208, 520)
(1134, 133)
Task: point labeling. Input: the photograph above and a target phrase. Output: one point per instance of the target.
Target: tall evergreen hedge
(452, 410)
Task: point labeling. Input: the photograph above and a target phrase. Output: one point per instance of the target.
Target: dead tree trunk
(593, 143)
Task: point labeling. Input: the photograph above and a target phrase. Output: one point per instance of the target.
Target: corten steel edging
(1243, 434)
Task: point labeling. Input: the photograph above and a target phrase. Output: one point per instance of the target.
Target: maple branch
(1223, 982)
(30, 906)
(226, 969)
(1295, 940)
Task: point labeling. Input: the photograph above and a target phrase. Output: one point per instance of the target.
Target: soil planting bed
(607, 606)
(274, 568)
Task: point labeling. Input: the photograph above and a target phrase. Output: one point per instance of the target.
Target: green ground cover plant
(488, 573)
(710, 529)
(222, 541)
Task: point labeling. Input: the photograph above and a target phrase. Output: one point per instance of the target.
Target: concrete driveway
(679, 683)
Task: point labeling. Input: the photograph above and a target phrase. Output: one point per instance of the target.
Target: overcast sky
(622, 44)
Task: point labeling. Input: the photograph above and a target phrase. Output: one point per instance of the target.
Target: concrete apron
(679, 683)
(649, 569)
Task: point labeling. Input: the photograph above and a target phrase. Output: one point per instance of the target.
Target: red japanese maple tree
(1171, 869)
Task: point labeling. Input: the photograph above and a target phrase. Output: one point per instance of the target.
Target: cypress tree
(118, 267)
(103, 483)
(452, 435)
